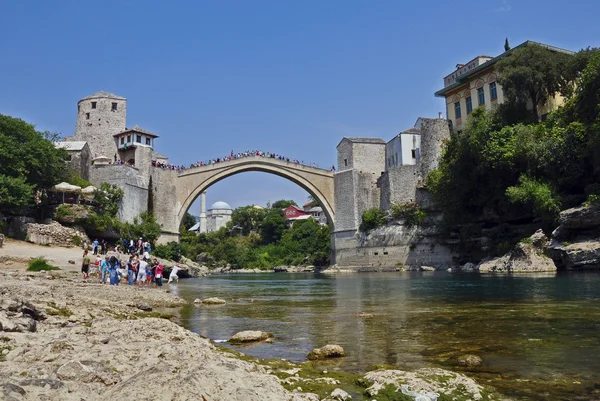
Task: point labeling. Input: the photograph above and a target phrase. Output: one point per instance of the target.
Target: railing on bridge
(236, 157)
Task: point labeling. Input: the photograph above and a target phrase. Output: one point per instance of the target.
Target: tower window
(138, 139)
(413, 153)
(78, 108)
(345, 162)
(122, 140)
(87, 116)
(128, 138)
(114, 107)
(93, 105)
(147, 141)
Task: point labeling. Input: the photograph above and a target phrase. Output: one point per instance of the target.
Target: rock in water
(250, 336)
(527, 256)
(328, 351)
(213, 301)
(469, 360)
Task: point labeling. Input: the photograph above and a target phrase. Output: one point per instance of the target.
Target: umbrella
(65, 187)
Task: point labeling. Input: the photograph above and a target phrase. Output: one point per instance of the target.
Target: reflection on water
(537, 334)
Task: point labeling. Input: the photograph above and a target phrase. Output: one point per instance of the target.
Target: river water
(537, 334)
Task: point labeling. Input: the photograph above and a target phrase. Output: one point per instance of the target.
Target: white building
(218, 216)
(404, 149)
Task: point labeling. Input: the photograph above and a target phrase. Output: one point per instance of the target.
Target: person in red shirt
(158, 273)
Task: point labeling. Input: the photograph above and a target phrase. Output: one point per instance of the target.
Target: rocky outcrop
(71, 214)
(328, 351)
(17, 315)
(426, 382)
(18, 227)
(55, 234)
(526, 257)
(576, 242)
(249, 336)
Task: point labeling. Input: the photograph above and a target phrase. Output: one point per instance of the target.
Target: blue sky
(280, 76)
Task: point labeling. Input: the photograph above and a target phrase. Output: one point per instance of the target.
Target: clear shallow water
(538, 334)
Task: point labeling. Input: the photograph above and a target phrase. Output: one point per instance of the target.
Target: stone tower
(99, 117)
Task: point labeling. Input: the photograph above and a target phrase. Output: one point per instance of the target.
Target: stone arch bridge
(180, 190)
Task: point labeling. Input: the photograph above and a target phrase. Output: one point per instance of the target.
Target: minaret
(203, 212)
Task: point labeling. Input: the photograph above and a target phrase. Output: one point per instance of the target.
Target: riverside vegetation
(255, 238)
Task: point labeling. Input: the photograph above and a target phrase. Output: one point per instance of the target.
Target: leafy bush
(62, 211)
(144, 226)
(77, 240)
(592, 200)
(170, 251)
(40, 264)
(409, 212)
(372, 218)
(108, 199)
(536, 194)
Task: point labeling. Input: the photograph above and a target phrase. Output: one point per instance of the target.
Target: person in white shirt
(141, 276)
(173, 275)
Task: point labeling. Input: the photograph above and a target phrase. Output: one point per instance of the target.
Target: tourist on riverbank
(95, 246)
(158, 271)
(112, 271)
(141, 276)
(149, 273)
(104, 270)
(131, 271)
(85, 264)
(173, 276)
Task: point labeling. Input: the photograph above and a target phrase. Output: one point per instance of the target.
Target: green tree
(188, 221)
(108, 199)
(282, 204)
(31, 158)
(150, 206)
(273, 226)
(248, 218)
(534, 73)
(143, 226)
(14, 193)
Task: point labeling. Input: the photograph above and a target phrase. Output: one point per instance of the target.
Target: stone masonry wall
(398, 185)
(166, 206)
(433, 133)
(369, 157)
(102, 123)
(134, 186)
(344, 153)
(345, 210)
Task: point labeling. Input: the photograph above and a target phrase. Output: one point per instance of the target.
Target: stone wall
(55, 234)
(392, 246)
(134, 186)
(81, 161)
(166, 206)
(398, 185)
(344, 155)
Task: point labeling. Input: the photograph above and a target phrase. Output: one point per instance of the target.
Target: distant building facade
(474, 84)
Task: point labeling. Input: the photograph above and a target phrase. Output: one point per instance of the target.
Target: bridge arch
(317, 182)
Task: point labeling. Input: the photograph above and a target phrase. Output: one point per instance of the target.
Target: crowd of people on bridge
(234, 156)
(131, 262)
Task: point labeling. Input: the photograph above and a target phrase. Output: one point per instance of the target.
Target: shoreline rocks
(249, 336)
(326, 352)
(526, 257)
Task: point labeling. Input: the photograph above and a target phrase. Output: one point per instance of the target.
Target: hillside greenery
(505, 166)
(258, 238)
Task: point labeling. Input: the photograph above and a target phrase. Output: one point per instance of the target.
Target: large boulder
(328, 351)
(250, 336)
(580, 218)
(584, 254)
(527, 256)
(469, 360)
(212, 301)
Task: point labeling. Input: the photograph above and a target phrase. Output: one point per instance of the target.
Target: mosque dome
(221, 205)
